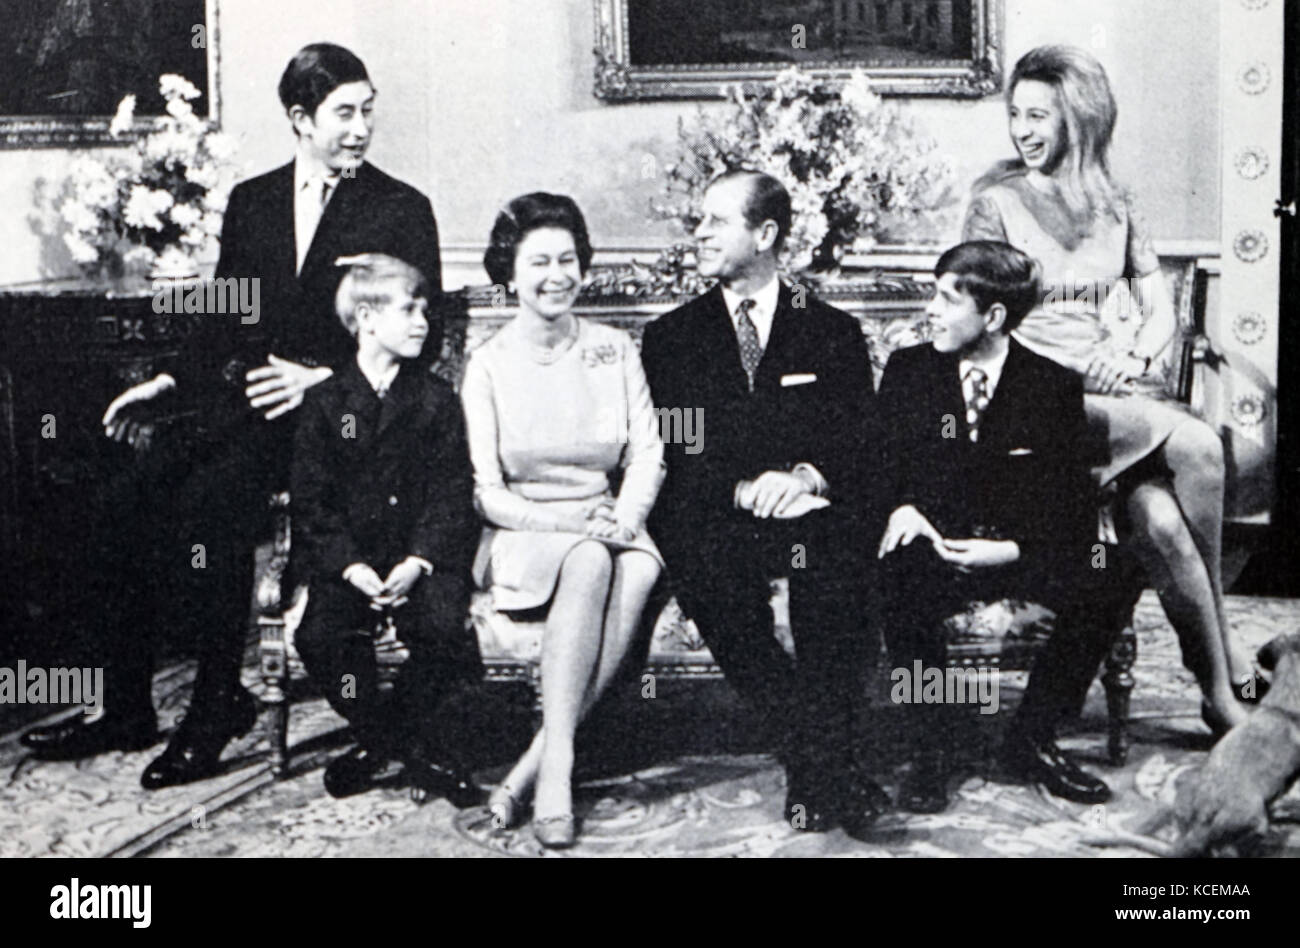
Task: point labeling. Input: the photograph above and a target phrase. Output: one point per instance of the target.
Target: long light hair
(1088, 113)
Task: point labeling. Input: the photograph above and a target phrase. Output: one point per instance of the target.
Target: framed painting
(66, 64)
(689, 49)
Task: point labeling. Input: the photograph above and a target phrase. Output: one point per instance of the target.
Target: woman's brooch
(599, 355)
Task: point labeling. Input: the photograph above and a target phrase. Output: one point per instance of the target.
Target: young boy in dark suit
(384, 524)
(990, 497)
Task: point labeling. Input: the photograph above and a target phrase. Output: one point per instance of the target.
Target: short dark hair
(522, 216)
(995, 272)
(317, 70)
(768, 201)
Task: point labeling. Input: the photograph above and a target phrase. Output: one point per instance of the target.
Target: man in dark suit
(990, 498)
(384, 522)
(784, 384)
(190, 516)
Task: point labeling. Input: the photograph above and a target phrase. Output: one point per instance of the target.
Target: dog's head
(1281, 656)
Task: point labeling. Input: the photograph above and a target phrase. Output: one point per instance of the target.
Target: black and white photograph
(649, 428)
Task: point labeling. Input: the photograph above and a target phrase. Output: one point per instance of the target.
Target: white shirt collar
(307, 170)
(992, 369)
(380, 383)
(763, 311)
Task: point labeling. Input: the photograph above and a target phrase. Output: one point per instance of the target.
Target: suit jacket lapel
(720, 339)
(1008, 393)
(781, 342)
(952, 399)
(401, 398)
(347, 193)
(280, 213)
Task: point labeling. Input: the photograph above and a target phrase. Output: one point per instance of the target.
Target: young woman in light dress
(1058, 202)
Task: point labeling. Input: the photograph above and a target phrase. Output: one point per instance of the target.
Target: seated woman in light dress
(1058, 202)
(554, 406)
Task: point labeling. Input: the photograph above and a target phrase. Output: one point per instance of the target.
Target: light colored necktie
(977, 399)
(751, 350)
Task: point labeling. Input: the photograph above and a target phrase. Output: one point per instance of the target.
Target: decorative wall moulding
(78, 60)
(1254, 78)
(695, 49)
(1249, 411)
(1250, 246)
(1252, 163)
(1249, 328)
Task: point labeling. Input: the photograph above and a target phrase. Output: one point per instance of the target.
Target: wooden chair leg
(1118, 682)
(275, 671)
(272, 646)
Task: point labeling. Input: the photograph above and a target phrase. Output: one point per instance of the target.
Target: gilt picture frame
(65, 67)
(695, 49)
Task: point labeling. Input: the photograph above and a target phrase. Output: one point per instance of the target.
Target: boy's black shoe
(1043, 762)
(352, 772)
(806, 808)
(433, 778)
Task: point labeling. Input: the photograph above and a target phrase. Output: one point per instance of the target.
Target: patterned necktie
(976, 390)
(751, 350)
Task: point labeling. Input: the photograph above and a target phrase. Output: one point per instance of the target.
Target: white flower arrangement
(853, 164)
(159, 205)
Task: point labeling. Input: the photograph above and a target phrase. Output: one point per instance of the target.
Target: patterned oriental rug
(679, 775)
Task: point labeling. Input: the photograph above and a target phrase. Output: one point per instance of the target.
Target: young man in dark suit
(384, 523)
(990, 497)
(784, 384)
(190, 514)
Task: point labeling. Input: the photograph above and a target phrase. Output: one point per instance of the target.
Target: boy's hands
(399, 582)
(968, 555)
(365, 579)
(905, 525)
(385, 593)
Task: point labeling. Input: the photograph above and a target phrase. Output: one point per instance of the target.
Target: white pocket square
(1020, 452)
(798, 379)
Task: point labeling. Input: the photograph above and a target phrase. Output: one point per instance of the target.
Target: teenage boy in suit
(990, 497)
(384, 523)
(784, 384)
(234, 388)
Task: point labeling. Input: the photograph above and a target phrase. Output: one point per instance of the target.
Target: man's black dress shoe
(194, 752)
(1045, 763)
(806, 806)
(432, 778)
(925, 789)
(76, 737)
(353, 772)
(864, 803)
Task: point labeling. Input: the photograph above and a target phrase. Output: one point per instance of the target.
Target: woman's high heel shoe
(556, 832)
(505, 806)
(1251, 688)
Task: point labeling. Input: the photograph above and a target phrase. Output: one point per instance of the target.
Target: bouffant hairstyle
(317, 70)
(994, 272)
(372, 280)
(528, 213)
(1088, 114)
